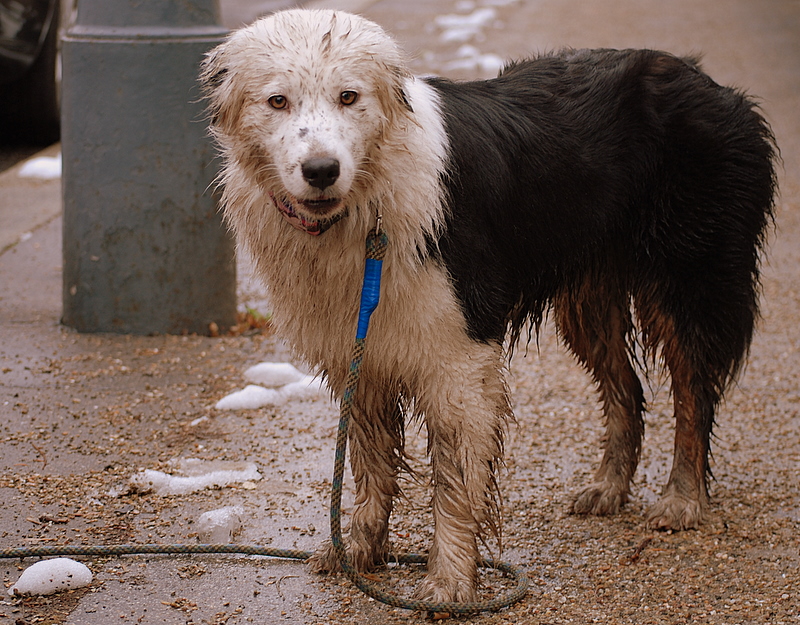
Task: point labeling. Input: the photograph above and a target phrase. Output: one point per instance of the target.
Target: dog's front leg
(465, 423)
(452, 559)
(376, 456)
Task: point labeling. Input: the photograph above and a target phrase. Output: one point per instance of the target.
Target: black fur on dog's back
(599, 184)
(633, 163)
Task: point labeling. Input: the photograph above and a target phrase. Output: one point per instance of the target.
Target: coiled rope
(377, 242)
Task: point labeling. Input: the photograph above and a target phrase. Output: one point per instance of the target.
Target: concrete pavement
(79, 414)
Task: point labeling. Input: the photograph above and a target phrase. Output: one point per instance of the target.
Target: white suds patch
(292, 385)
(192, 475)
(50, 576)
(218, 527)
(42, 167)
(461, 28)
(250, 397)
(470, 58)
(273, 374)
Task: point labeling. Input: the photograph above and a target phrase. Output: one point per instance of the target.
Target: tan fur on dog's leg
(685, 498)
(594, 321)
(466, 422)
(376, 451)
(695, 395)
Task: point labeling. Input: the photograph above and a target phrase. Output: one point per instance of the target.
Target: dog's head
(302, 101)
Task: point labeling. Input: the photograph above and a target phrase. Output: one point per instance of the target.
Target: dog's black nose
(321, 172)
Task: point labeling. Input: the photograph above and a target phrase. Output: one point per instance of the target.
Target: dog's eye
(348, 97)
(278, 102)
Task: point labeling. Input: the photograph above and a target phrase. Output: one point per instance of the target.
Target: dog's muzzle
(309, 226)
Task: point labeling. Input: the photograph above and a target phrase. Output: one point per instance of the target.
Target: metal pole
(144, 247)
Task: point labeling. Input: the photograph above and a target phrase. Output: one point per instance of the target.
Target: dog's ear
(392, 95)
(401, 98)
(218, 87)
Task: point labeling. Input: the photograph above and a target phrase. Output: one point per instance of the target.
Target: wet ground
(81, 414)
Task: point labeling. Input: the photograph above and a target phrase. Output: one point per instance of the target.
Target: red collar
(314, 228)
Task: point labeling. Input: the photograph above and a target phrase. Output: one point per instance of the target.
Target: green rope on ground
(376, 249)
(124, 550)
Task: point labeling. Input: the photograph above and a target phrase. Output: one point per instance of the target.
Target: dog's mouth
(320, 208)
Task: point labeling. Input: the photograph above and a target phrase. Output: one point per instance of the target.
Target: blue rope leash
(377, 243)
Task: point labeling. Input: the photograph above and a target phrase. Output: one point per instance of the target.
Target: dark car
(29, 71)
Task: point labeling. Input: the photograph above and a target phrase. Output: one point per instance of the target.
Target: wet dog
(623, 191)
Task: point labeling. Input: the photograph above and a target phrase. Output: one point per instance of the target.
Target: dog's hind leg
(703, 335)
(685, 497)
(466, 410)
(376, 458)
(697, 265)
(595, 322)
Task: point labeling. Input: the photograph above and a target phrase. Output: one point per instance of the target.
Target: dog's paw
(599, 498)
(325, 559)
(442, 590)
(676, 512)
(363, 558)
